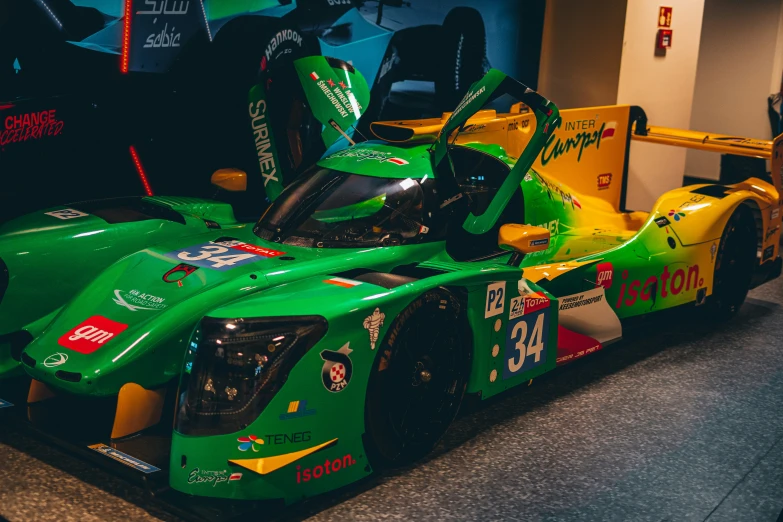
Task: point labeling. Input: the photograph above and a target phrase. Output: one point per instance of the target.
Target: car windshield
(328, 208)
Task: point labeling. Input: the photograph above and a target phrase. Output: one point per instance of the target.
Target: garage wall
(739, 66)
(663, 86)
(585, 73)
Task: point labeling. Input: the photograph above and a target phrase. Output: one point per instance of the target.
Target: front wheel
(734, 264)
(418, 379)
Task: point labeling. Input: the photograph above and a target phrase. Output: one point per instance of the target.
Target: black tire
(464, 55)
(734, 264)
(430, 335)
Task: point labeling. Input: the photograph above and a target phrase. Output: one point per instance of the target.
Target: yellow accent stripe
(267, 465)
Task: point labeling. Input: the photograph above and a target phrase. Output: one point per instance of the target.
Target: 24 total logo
(90, 335)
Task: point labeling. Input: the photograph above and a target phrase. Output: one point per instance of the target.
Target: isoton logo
(328, 467)
(681, 280)
(90, 335)
(604, 275)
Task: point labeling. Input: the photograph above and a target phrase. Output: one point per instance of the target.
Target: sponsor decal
(124, 458)
(249, 442)
(527, 335)
(163, 39)
(516, 125)
(469, 97)
(474, 128)
(496, 297)
(66, 213)
(314, 76)
(775, 213)
(345, 283)
(327, 468)
(539, 242)
(671, 283)
(397, 161)
(527, 304)
(56, 359)
(286, 35)
(30, 126)
(5, 404)
(90, 335)
(573, 345)
(373, 323)
(297, 409)
(768, 253)
(604, 275)
(264, 141)
(713, 249)
(360, 154)
(575, 301)
(676, 215)
(178, 273)
(337, 369)
(235, 476)
(584, 139)
(604, 181)
(567, 197)
(202, 476)
(288, 438)
(223, 255)
(770, 232)
(343, 100)
(662, 222)
(136, 300)
(553, 226)
(585, 321)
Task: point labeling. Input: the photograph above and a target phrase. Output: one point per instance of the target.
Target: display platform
(682, 423)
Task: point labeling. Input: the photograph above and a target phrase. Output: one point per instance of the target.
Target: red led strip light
(126, 36)
(140, 170)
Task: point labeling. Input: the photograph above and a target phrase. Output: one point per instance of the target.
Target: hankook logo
(56, 359)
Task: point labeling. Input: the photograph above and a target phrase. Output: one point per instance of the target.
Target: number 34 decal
(223, 255)
(526, 336)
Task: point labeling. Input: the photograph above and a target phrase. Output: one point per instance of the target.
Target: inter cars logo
(90, 335)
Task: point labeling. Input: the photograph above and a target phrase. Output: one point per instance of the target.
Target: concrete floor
(684, 423)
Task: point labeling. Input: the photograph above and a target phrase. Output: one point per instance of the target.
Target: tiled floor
(685, 423)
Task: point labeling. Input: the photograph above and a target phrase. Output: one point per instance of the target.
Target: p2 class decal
(496, 299)
(178, 273)
(337, 369)
(527, 335)
(222, 255)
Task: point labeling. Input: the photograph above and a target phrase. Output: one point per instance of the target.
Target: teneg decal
(373, 323)
(223, 255)
(178, 273)
(249, 442)
(328, 467)
(90, 335)
(337, 368)
(527, 336)
(66, 213)
(496, 298)
(669, 283)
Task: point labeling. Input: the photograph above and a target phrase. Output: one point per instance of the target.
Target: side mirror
(522, 240)
(232, 180)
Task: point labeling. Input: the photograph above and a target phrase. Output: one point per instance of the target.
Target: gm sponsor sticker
(124, 458)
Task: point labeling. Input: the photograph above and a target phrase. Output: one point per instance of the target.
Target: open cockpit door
(493, 85)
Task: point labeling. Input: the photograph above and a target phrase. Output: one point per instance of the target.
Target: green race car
(341, 332)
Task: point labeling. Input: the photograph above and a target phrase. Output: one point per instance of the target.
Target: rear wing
(767, 149)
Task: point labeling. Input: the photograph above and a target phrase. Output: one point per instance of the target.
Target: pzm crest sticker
(337, 369)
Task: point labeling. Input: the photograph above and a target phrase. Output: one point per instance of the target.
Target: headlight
(235, 366)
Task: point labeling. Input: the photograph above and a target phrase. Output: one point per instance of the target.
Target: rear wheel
(418, 380)
(734, 263)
